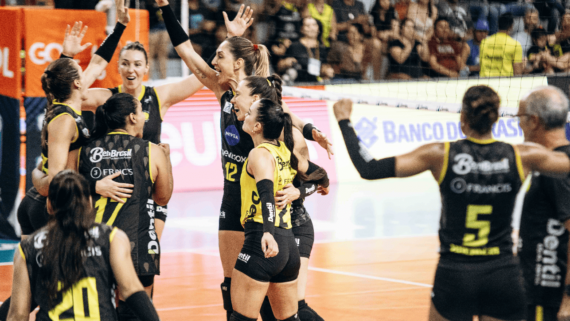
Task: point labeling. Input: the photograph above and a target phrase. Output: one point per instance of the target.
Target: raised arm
(161, 173)
(538, 158)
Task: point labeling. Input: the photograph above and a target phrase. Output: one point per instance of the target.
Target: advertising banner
(9, 164)
(192, 128)
(10, 62)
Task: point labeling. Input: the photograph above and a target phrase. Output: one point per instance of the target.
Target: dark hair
(255, 61)
(506, 21)
(136, 46)
(113, 114)
(275, 120)
(538, 32)
(57, 81)
(359, 28)
(438, 20)
(403, 23)
(266, 88)
(319, 24)
(481, 108)
(68, 237)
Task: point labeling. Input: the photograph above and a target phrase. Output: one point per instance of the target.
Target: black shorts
(541, 313)
(279, 269)
(305, 237)
(32, 212)
(492, 288)
(230, 211)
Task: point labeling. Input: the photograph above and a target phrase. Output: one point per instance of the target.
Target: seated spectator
(550, 10)
(323, 13)
(530, 22)
(492, 9)
(544, 58)
(406, 53)
(481, 31)
(347, 60)
(401, 8)
(447, 56)
(349, 12)
(456, 16)
(287, 21)
(423, 13)
(500, 55)
(385, 21)
(201, 28)
(564, 33)
(307, 56)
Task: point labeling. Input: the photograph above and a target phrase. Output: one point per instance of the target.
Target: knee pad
(294, 317)
(266, 312)
(226, 294)
(238, 317)
(308, 314)
(124, 312)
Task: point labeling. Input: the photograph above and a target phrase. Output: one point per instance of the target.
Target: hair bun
(49, 73)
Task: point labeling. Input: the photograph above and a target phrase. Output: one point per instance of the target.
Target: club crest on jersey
(232, 135)
(465, 164)
(228, 107)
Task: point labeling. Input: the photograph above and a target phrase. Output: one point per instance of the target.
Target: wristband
(267, 200)
(175, 31)
(64, 56)
(108, 46)
(308, 131)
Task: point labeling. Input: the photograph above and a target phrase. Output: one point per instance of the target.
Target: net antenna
(185, 21)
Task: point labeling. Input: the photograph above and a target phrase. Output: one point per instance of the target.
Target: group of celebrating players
(92, 223)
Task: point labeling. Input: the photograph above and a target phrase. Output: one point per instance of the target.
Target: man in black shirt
(543, 243)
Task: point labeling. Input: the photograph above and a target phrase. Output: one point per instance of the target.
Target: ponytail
(255, 57)
(261, 65)
(288, 139)
(62, 260)
(113, 114)
(269, 88)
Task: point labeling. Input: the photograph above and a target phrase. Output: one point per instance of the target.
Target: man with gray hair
(545, 221)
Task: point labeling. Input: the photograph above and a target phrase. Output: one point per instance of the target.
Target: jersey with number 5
(479, 183)
(90, 299)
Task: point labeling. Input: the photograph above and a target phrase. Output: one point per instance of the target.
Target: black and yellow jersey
(92, 298)
(59, 110)
(131, 156)
(479, 183)
(236, 144)
(283, 175)
(150, 103)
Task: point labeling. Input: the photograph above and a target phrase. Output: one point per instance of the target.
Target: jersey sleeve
(559, 191)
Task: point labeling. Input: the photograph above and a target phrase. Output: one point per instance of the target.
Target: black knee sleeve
(308, 314)
(294, 317)
(124, 312)
(238, 317)
(226, 294)
(266, 312)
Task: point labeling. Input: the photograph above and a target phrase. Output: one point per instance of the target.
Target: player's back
(92, 298)
(479, 184)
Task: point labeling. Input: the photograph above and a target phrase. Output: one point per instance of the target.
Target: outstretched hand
(73, 37)
(323, 141)
(242, 21)
(122, 12)
(342, 109)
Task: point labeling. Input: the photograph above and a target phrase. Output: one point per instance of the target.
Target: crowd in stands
(346, 40)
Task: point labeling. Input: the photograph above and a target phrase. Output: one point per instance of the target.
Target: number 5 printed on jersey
(482, 237)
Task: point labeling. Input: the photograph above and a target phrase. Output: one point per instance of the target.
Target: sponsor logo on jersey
(96, 172)
(244, 257)
(153, 247)
(124, 171)
(232, 135)
(98, 154)
(39, 240)
(92, 251)
(283, 164)
(459, 185)
(298, 241)
(230, 155)
(228, 107)
(310, 190)
(547, 272)
(271, 209)
(222, 214)
(465, 164)
(148, 100)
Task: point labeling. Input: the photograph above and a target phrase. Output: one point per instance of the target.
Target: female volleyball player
(247, 92)
(117, 146)
(269, 261)
(236, 58)
(70, 266)
(479, 179)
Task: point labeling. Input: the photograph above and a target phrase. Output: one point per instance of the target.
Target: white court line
(190, 307)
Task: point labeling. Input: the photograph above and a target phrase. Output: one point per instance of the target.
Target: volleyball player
(236, 58)
(479, 179)
(70, 266)
(247, 92)
(117, 146)
(543, 235)
(269, 261)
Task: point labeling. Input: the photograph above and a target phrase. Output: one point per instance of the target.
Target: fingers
(250, 22)
(67, 31)
(125, 185)
(226, 19)
(115, 175)
(125, 191)
(264, 246)
(240, 11)
(85, 46)
(83, 32)
(117, 199)
(273, 249)
(248, 14)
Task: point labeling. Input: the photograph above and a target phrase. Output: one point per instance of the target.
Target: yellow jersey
(497, 54)
(283, 175)
(325, 18)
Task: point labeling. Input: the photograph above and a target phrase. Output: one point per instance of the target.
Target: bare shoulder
(259, 155)
(432, 150)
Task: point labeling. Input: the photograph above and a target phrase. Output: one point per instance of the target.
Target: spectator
(348, 60)
(530, 22)
(158, 40)
(406, 53)
(308, 56)
(551, 10)
(385, 21)
(544, 58)
(423, 13)
(501, 55)
(447, 56)
(349, 12)
(402, 7)
(481, 32)
(202, 25)
(564, 33)
(456, 16)
(492, 10)
(287, 19)
(323, 13)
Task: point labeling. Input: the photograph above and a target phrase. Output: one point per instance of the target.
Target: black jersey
(478, 185)
(543, 239)
(92, 298)
(236, 144)
(150, 103)
(299, 214)
(80, 127)
(131, 156)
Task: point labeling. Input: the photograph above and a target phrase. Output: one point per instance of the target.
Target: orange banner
(43, 44)
(10, 62)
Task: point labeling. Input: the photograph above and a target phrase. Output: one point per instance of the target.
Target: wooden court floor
(377, 279)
